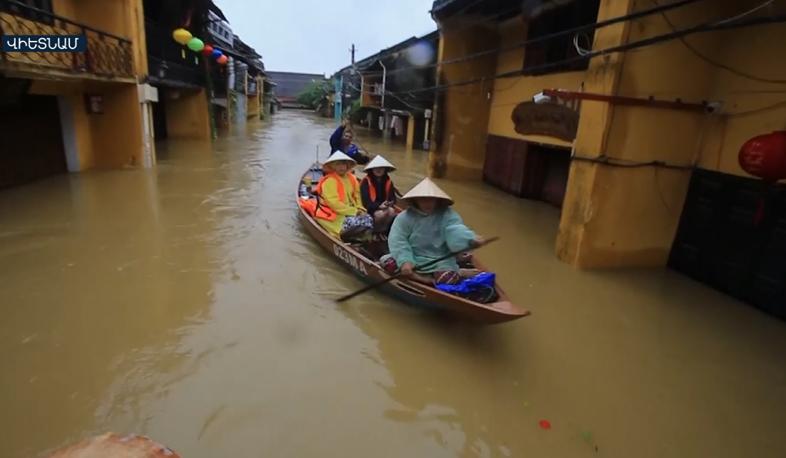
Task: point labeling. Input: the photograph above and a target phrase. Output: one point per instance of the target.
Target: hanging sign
(549, 119)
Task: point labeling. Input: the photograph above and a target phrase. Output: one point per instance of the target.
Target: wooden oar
(417, 268)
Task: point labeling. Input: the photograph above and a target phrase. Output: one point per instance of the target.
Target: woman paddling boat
(366, 265)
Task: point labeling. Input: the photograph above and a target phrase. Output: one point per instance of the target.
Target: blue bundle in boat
(481, 281)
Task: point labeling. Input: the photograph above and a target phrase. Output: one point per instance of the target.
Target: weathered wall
(509, 92)
(187, 116)
(466, 108)
(617, 216)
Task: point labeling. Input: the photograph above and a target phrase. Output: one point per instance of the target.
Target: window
(572, 15)
(27, 11)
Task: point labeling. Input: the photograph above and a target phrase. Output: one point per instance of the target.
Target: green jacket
(418, 238)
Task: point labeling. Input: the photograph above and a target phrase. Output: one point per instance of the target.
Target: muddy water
(187, 304)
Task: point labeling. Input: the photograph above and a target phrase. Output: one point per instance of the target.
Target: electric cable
(579, 29)
(491, 18)
(723, 24)
(714, 63)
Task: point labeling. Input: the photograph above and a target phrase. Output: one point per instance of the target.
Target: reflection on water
(186, 304)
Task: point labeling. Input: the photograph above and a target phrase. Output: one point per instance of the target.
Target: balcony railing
(107, 55)
(169, 63)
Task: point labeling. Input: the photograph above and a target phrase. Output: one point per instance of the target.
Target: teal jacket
(418, 238)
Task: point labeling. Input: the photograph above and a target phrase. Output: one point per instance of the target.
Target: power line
(719, 64)
(493, 17)
(575, 30)
(732, 22)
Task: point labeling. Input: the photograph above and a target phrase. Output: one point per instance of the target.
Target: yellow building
(73, 111)
(181, 110)
(254, 96)
(649, 151)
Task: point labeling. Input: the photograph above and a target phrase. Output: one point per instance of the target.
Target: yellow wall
(112, 139)
(615, 216)
(754, 107)
(123, 18)
(253, 101)
(509, 92)
(629, 216)
(187, 117)
(466, 108)
(117, 133)
(109, 140)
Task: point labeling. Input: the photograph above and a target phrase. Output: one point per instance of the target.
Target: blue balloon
(217, 54)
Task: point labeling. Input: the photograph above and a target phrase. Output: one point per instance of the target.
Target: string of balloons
(185, 38)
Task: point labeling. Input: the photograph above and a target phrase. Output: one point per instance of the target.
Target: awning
(233, 53)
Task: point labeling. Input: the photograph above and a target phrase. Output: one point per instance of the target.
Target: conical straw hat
(427, 188)
(339, 156)
(379, 162)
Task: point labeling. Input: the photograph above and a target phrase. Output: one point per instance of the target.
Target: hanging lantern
(217, 54)
(207, 51)
(182, 36)
(222, 60)
(195, 44)
(764, 157)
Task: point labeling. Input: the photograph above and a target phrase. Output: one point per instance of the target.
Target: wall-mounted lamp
(162, 68)
(540, 98)
(94, 104)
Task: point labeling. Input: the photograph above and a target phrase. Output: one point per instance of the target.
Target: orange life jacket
(372, 190)
(323, 211)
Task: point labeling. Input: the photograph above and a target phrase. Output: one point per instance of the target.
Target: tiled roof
(438, 4)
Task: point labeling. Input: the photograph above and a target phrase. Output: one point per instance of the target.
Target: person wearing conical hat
(429, 229)
(341, 140)
(379, 193)
(340, 210)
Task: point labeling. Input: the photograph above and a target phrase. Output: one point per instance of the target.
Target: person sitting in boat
(379, 193)
(339, 209)
(341, 140)
(427, 230)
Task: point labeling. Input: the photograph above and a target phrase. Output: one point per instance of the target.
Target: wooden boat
(363, 264)
(111, 445)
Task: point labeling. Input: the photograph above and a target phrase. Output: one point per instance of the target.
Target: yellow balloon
(182, 36)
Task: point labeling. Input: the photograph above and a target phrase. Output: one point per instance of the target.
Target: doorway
(529, 170)
(32, 140)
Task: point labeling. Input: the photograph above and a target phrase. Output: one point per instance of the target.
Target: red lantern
(222, 60)
(764, 156)
(207, 50)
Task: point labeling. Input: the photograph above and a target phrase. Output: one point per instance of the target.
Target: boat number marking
(349, 259)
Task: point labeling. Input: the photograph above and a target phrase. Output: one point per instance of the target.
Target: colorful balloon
(182, 36)
(195, 44)
(222, 60)
(217, 54)
(207, 50)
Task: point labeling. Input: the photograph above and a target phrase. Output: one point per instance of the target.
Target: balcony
(108, 56)
(218, 77)
(171, 64)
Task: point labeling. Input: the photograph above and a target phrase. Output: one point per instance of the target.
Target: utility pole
(338, 112)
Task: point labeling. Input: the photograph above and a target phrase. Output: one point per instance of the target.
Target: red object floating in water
(545, 424)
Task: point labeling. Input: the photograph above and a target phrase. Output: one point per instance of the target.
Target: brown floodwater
(186, 304)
